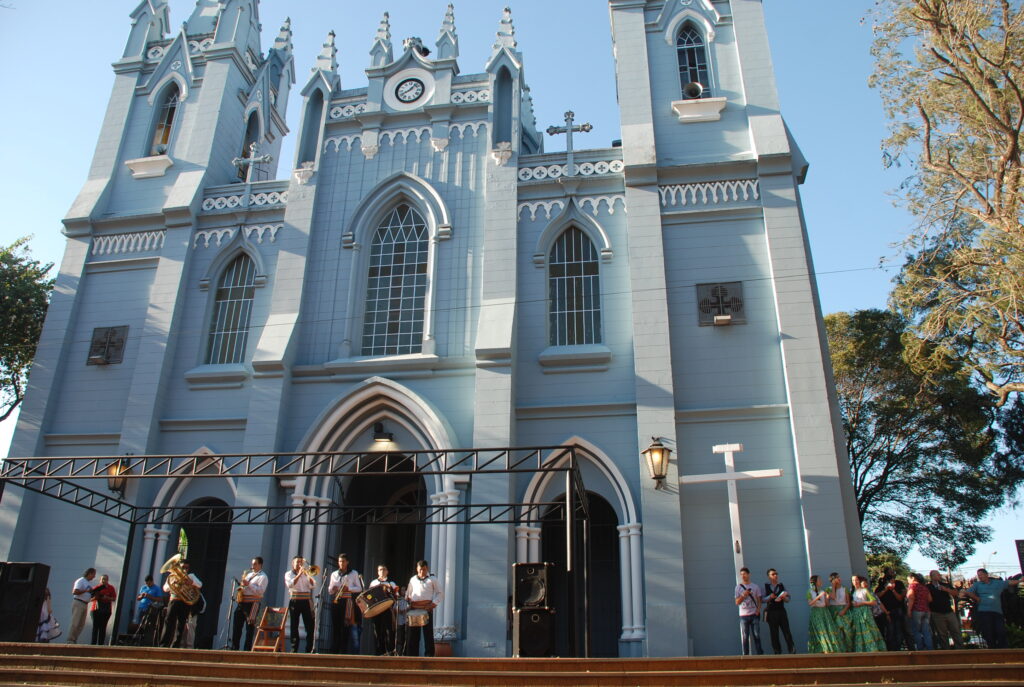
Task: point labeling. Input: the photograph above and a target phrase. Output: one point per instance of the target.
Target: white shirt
(424, 589)
(838, 597)
(192, 576)
(257, 585)
(349, 579)
(298, 583)
(377, 582)
(82, 584)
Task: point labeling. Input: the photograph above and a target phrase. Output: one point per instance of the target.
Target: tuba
(178, 582)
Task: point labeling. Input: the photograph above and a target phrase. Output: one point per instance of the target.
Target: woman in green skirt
(839, 607)
(821, 632)
(866, 636)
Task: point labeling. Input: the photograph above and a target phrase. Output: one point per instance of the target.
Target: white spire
(380, 52)
(327, 59)
(506, 33)
(448, 41)
(284, 36)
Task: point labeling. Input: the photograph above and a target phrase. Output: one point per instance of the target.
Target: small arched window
(693, 61)
(166, 110)
(232, 313)
(396, 286)
(574, 291)
(252, 134)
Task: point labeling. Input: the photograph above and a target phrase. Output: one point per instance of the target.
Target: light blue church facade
(429, 272)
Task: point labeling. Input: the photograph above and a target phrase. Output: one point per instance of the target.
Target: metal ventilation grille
(725, 299)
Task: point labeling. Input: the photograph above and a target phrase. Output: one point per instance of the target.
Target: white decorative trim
(272, 198)
(710, 192)
(304, 173)
(481, 96)
(195, 47)
(148, 167)
(206, 234)
(439, 144)
(222, 202)
(338, 140)
(370, 152)
(258, 231)
(595, 203)
(392, 134)
(699, 109)
(502, 154)
(583, 358)
(584, 169)
(136, 242)
(533, 206)
(155, 53)
(462, 126)
(347, 110)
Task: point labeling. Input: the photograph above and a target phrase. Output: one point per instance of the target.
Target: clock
(409, 90)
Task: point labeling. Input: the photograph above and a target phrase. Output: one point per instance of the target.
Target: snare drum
(374, 601)
(417, 617)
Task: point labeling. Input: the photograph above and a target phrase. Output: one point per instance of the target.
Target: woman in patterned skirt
(839, 607)
(821, 631)
(866, 636)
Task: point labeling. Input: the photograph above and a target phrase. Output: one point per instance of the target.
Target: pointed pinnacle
(506, 37)
(384, 30)
(326, 60)
(284, 36)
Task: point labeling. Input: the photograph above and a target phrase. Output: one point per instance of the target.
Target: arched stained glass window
(396, 285)
(574, 291)
(167, 109)
(693, 59)
(232, 313)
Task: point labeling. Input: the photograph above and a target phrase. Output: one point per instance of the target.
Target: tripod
(148, 631)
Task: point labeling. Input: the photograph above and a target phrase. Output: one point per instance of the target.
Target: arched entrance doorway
(604, 579)
(208, 529)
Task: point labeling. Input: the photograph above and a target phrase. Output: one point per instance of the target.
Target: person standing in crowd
(839, 607)
(401, 608)
(148, 594)
(49, 628)
(821, 630)
(253, 586)
(383, 623)
(748, 598)
(299, 583)
(178, 609)
(892, 593)
(988, 616)
(919, 600)
(945, 623)
(346, 622)
(424, 594)
(103, 597)
(82, 594)
(776, 597)
(865, 634)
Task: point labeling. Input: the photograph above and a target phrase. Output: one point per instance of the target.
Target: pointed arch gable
(171, 491)
(392, 190)
(232, 249)
(572, 216)
(676, 23)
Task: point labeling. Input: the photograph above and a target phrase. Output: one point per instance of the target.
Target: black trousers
(779, 620)
(100, 618)
(240, 619)
(384, 632)
(174, 628)
(896, 632)
(304, 608)
(412, 638)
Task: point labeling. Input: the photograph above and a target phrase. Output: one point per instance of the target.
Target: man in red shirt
(103, 598)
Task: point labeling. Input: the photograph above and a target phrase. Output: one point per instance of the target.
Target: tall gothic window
(693, 59)
(167, 108)
(397, 285)
(229, 331)
(574, 315)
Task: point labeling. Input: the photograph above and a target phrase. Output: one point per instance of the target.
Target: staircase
(69, 664)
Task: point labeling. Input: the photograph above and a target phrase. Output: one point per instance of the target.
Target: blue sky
(56, 55)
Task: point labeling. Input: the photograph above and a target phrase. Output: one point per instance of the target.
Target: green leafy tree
(24, 295)
(927, 460)
(880, 561)
(951, 77)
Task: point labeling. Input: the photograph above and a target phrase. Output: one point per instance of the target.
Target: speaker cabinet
(533, 632)
(531, 588)
(22, 592)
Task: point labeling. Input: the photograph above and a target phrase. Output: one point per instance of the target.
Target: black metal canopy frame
(70, 479)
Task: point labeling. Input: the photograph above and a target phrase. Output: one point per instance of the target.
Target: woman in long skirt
(839, 607)
(821, 631)
(866, 636)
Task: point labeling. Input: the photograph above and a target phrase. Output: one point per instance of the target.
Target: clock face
(409, 90)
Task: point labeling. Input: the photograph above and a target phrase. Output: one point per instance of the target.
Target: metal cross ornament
(568, 129)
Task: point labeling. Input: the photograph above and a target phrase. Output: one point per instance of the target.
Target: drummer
(345, 586)
(384, 623)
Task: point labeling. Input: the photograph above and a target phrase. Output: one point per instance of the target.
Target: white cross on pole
(730, 477)
(568, 130)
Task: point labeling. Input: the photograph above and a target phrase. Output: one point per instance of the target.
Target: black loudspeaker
(531, 585)
(533, 632)
(22, 592)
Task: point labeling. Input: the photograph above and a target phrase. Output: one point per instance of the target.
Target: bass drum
(374, 601)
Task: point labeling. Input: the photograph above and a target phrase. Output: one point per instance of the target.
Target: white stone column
(522, 544)
(450, 498)
(626, 584)
(636, 563)
(533, 545)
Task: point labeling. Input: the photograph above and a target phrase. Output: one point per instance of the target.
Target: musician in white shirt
(384, 623)
(178, 608)
(423, 593)
(344, 587)
(253, 586)
(299, 584)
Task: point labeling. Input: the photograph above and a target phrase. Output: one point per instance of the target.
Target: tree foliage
(927, 460)
(24, 295)
(951, 77)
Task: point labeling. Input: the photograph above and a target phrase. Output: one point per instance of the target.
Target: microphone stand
(316, 614)
(226, 645)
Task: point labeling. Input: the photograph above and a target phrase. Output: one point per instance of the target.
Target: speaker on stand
(533, 629)
(22, 592)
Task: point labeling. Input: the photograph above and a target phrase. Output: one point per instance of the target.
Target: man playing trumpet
(345, 586)
(252, 586)
(300, 582)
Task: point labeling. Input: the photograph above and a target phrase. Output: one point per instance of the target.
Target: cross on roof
(568, 129)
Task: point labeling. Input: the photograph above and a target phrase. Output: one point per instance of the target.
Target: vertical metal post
(121, 600)
(570, 550)
(586, 583)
